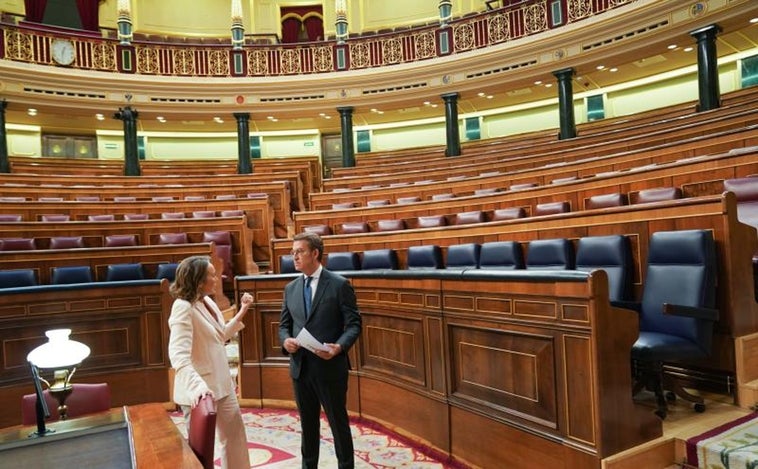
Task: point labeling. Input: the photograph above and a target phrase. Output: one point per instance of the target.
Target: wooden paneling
(123, 323)
(538, 377)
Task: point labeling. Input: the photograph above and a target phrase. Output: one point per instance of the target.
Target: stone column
(707, 67)
(346, 124)
(131, 159)
(566, 103)
(244, 165)
(451, 124)
(5, 164)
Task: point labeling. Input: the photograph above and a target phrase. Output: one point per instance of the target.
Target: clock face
(63, 51)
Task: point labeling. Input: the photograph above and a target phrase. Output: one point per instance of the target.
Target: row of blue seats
(611, 253)
(83, 274)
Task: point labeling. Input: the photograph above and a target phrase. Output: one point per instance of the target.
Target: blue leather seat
(121, 272)
(17, 278)
(677, 310)
(343, 261)
(286, 264)
(501, 255)
(167, 271)
(73, 274)
(463, 256)
(425, 257)
(611, 254)
(550, 254)
(378, 259)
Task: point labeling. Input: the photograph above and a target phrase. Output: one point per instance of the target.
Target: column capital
(241, 115)
(706, 31)
(345, 109)
(3, 104)
(564, 73)
(450, 96)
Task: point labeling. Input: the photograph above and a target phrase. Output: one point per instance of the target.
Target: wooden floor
(669, 451)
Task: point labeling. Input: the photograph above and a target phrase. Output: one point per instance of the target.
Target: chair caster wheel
(661, 414)
(670, 396)
(699, 408)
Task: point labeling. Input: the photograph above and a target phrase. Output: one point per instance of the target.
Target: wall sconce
(62, 356)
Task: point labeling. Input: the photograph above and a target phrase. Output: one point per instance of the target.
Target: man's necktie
(307, 296)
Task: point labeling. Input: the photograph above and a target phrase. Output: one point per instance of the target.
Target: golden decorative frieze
(257, 62)
(148, 60)
(498, 28)
(392, 51)
(359, 55)
(289, 61)
(323, 59)
(425, 45)
(218, 62)
(104, 56)
(535, 18)
(463, 37)
(183, 61)
(18, 46)
(578, 9)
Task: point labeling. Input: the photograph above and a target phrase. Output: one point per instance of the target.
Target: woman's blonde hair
(190, 274)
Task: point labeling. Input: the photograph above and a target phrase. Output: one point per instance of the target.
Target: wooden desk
(141, 436)
(157, 441)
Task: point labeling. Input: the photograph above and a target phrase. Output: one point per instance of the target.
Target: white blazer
(196, 348)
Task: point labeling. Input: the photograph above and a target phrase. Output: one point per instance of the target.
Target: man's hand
(197, 398)
(291, 345)
(334, 350)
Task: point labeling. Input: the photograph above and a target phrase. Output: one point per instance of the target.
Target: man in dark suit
(324, 304)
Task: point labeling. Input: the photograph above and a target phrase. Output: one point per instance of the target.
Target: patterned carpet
(273, 437)
(731, 445)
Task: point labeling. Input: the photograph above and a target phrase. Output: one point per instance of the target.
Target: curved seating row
(610, 253)
(616, 199)
(15, 278)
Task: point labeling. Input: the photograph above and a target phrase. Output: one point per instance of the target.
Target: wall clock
(63, 51)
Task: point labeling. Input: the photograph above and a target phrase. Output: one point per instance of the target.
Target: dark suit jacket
(334, 318)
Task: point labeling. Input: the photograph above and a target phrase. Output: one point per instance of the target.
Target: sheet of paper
(306, 339)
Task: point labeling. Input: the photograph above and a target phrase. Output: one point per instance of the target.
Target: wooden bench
(43, 261)
(147, 233)
(694, 176)
(540, 142)
(278, 195)
(258, 213)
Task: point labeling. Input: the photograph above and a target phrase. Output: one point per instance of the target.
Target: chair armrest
(707, 314)
(633, 305)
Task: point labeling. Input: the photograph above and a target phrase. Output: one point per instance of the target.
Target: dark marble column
(244, 165)
(348, 149)
(131, 159)
(707, 67)
(566, 103)
(452, 134)
(5, 164)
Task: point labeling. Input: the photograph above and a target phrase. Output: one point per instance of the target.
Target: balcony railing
(27, 43)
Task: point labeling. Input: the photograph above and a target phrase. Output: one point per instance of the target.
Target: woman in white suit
(197, 352)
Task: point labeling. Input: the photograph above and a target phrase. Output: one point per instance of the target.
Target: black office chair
(501, 255)
(463, 256)
(677, 311)
(343, 261)
(550, 254)
(611, 254)
(425, 257)
(379, 259)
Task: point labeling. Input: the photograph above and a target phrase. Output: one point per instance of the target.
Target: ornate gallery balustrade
(26, 43)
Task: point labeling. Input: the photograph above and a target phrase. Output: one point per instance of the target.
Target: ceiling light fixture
(99, 117)
(689, 49)
(672, 46)
(32, 112)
